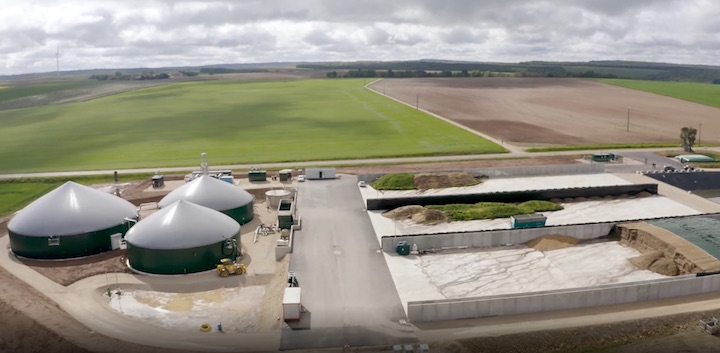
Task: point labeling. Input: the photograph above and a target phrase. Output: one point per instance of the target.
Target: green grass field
(17, 193)
(10, 92)
(233, 121)
(703, 93)
(14, 196)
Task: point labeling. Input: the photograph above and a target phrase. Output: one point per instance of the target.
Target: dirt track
(540, 111)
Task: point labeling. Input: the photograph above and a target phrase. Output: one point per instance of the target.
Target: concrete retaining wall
(490, 238)
(536, 170)
(510, 196)
(282, 250)
(466, 308)
(689, 180)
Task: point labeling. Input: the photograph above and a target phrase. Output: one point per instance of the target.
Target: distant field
(553, 113)
(703, 93)
(233, 121)
(10, 92)
(636, 73)
(16, 195)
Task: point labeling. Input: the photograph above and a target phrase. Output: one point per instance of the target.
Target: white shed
(320, 173)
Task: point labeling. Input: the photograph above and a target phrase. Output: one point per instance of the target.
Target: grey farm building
(69, 222)
(182, 238)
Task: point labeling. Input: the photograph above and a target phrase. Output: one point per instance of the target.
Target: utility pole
(57, 60)
(699, 134)
(628, 121)
(417, 102)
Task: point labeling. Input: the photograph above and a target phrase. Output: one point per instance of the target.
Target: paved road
(368, 161)
(346, 284)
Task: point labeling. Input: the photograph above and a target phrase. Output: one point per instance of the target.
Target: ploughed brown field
(555, 111)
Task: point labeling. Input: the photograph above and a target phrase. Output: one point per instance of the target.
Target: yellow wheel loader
(229, 267)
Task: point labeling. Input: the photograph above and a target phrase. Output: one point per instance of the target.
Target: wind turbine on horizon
(57, 59)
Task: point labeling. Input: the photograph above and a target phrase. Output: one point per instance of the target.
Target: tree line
(389, 73)
(591, 69)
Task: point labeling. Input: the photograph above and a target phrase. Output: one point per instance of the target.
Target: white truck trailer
(292, 307)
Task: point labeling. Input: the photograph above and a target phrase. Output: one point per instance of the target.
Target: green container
(257, 175)
(286, 214)
(402, 248)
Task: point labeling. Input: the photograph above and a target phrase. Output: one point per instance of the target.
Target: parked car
(301, 178)
(362, 184)
(668, 168)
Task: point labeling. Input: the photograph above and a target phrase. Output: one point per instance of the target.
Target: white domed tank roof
(209, 192)
(71, 209)
(182, 225)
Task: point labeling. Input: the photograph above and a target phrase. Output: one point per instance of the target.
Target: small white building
(319, 173)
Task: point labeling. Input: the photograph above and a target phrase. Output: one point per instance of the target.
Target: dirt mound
(404, 212)
(645, 260)
(428, 216)
(656, 262)
(552, 242)
(418, 214)
(427, 181)
(665, 266)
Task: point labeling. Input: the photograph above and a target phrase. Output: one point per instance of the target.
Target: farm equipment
(711, 326)
(228, 267)
(292, 280)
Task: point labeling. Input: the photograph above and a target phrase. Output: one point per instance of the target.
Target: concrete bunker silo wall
(523, 303)
(537, 170)
(489, 238)
(510, 196)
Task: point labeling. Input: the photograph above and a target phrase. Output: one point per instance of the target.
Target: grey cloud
(113, 32)
(376, 36)
(16, 41)
(461, 35)
(318, 37)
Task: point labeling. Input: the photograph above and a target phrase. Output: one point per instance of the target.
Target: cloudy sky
(129, 33)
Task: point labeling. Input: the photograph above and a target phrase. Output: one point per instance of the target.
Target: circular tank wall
(273, 197)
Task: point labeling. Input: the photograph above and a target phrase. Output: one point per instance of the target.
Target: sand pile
(418, 214)
(427, 181)
(552, 242)
(404, 212)
(656, 261)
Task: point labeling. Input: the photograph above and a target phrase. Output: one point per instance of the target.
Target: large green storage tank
(216, 194)
(182, 238)
(71, 221)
